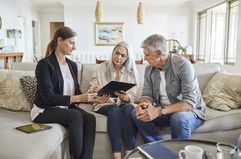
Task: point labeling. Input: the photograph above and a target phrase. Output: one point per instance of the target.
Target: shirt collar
(121, 71)
(168, 63)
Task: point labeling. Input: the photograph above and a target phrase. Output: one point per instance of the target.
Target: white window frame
(205, 43)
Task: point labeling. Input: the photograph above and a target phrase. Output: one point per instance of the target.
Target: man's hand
(147, 112)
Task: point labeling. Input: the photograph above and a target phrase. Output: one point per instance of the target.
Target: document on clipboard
(32, 128)
(115, 86)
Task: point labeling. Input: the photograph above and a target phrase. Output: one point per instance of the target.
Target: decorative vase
(98, 12)
(140, 14)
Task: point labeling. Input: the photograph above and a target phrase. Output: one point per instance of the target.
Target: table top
(11, 54)
(176, 146)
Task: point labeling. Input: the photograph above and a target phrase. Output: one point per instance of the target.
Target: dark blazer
(50, 83)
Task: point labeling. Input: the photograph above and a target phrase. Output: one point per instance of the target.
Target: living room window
(217, 33)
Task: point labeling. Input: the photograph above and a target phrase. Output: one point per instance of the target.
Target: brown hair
(62, 32)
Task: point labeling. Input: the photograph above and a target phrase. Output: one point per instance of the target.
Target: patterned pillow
(12, 96)
(29, 85)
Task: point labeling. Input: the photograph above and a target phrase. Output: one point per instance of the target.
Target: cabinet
(7, 59)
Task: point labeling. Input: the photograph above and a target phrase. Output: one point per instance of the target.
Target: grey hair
(129, 64)
(155, 42)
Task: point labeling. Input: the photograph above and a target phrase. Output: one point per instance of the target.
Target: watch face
(164, 111)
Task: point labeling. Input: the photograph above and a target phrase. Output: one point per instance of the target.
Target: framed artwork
(108, 33)
(14, 33)
(0, 22)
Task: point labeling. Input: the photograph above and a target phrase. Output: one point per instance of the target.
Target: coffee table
(176, 146)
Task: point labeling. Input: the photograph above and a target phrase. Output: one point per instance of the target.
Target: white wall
(9, 11)
(170, 21)
(201, 5)
(47, 16)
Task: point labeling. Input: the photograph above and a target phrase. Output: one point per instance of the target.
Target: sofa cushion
(141, 72)
(11, 93)
(18, 144)
(205, 71)
(24, 66)
(29, 85)
(87, 71)
(223, 91)
(101, 120)
(220, 121)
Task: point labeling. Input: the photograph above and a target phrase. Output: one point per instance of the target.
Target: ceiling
(58, 3)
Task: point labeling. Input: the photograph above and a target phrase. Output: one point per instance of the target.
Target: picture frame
(14, 33)
(0, 22)
(108, 33)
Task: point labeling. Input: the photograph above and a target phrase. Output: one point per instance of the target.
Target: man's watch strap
(164, 111)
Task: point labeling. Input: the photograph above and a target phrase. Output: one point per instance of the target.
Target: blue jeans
(182, 124)
(120, 124)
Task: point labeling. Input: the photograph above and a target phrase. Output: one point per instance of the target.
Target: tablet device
(115, 86)
(32, 128)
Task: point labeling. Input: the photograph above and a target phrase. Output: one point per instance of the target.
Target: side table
(176, 146)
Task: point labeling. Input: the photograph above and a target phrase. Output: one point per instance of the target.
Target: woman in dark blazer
(58, 93)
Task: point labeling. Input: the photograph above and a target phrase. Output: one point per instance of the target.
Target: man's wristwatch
(164, 111)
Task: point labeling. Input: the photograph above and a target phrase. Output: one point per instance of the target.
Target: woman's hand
(94, 89)
(123, 96)
(85, 97)
(101, 99)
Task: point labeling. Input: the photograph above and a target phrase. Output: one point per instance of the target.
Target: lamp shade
(98, 12)
(140, 14)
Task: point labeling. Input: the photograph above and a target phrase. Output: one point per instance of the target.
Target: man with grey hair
(171, 95)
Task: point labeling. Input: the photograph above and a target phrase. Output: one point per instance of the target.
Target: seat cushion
(220, 121)
(101, 120)
(20, 145)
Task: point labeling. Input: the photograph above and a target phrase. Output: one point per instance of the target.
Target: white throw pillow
(223, 91)
(11, 93)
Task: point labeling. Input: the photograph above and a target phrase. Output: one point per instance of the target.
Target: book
(32, 128)
(157, 151)
(115, 86)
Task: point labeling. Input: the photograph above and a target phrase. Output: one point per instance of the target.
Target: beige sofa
(220, 126)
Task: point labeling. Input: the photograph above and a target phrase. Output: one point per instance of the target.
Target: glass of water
(225, 150)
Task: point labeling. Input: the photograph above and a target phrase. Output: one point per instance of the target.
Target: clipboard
(32, 128)
(115, 86)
